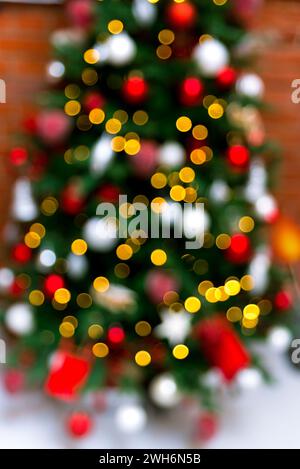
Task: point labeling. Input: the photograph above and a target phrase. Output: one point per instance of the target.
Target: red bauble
(145, 161)
(18, 156)
(181, 15)
(226, 78)
(283, 300)
(52, 283)
(80, 13)
(207, 427)
(30, 125)
(135, 90)
(191, 91)
(158, 283)
(222, 347)
(238, 156)
(14, 381)
(239, 250)
(21, 253)
(72, 201)
(53, 126)
(68, 374)
(93, 100)
(116, 335)
(109, 193)
(79, 424)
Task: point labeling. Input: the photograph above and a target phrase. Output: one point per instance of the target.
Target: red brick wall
(24, 51)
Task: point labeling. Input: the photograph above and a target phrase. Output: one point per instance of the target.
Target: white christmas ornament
(144, 12)
(279, 338)
(212, 379)
(55, 69)
(101, 155)
(6, 279)
(23, 208)
(266, 207)
(121, 49)
(171, 154)
(19, 319)
(164, 392)
(195, 222)
(250, 85)
(131, 418)
(259, 270)
(77, 266)
(174, 327)
(219, 191)
(100, 234)
(211, 57)
(248, 379)
(47, 258)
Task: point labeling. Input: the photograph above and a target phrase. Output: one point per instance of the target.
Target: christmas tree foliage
(150, 106)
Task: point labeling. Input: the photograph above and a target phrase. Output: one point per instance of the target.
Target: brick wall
(24, 51)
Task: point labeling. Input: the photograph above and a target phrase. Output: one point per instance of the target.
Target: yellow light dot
(184, 124)
(89, 76)
(132, 147)
(39, 229)
(232, 287)
(251, 312)
(72, 108)
(115, 26)
(91, 56)
(221, 294)
(101, 284)
(121, 115)
(249, 323)
(142, 358)
(211, 295)
(36, 297)
(192, 304)
(220, 2)
(124, 252)
(143, 328)
(247, 283)
(163, 52)
(113, 126)
(246, 224)
(100, 350)
(96, 116)
(215, 111)
(265, 307)
(177, 193)
(159, 180)
(187, 175)
(84, 300)
(180, 352)
(159, 257)
(200, 132)
(190, 195)
(72, 320)
(118, 143)
(62, 296)
(95, 331)
(67, 330)
(140, 118)
(79, 247)
(198, 156)
(166, 36)
(223, 241)
(234, 314)
(204, 286)
(32, 240)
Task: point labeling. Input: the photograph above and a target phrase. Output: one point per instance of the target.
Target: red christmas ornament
(145, 161)
(116, 335)
(191, 91)
(222, 346)
(283, 300)
(135, 90)
(14, 381)
(109, 193)
(53, 126)
(21, 253)
(226, 78)
(158, 283)
(239, 250)
(207, 427)
(80, 13)
(18, 156)
(72, 201)
(30, 125)
(181, 15)
(17, 289)
(68, 374)
(93, 100)
(238, 156)
(79, 424)
(52, 283)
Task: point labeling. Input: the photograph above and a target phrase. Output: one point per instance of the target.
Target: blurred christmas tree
(149, 100)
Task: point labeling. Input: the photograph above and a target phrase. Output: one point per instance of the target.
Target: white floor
(267, 417)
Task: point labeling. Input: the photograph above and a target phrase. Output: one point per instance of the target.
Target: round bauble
(164, 391)
(121, 49)
(211, 56)
(171, 154)
(181, 15)
(144, 12)
(135, 90)
(77, 266)
(19, 319)
(251, 86)
(279, 338)
(79, 424)
(131, 418)
(100, 234)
